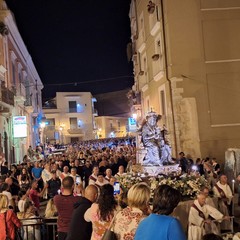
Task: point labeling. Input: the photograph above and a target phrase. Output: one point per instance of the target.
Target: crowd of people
(77, 183)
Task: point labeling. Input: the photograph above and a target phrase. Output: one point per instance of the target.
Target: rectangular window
(73, 123)
(50, 121)
(111, 123)
(72, 106)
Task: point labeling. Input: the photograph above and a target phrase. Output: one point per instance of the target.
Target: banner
(19, 126)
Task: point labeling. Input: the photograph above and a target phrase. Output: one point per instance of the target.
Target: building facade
(69, 118)
(186, 60)
(111, 127)
(20, 90)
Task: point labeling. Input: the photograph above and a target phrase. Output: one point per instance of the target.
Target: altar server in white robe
(199, 218)
(209, 200)
(224, 194)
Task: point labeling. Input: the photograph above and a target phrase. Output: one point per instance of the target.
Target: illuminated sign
(132, 125)
(19, 126)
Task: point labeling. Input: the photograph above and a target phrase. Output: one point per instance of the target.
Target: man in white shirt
(120, 173)
(224, 194)
(199, 221)
(108, 174)
(65, 173)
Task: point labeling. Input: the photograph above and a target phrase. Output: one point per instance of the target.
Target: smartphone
(78, 180)
(116, 187)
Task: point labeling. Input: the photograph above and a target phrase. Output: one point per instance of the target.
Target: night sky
(77, 45)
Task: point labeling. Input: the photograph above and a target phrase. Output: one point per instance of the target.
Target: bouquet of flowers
(189, 186)
(128, 180)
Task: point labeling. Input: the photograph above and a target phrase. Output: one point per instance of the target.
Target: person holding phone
(116, 187)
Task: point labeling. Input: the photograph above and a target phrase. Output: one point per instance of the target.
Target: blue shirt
(160, 227)
(37, 172)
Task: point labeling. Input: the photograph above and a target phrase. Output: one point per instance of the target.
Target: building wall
(200, 72)
(20, 84)
(109, 126)
(84, 127)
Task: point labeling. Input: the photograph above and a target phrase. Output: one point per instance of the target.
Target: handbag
(109, 234)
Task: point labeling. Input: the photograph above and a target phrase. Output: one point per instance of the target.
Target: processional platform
(152, 171)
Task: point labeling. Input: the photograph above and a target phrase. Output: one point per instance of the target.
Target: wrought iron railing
(39, 228)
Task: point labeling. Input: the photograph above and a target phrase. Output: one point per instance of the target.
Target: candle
(233, 182)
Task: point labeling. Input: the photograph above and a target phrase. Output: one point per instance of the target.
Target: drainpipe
(167, 76)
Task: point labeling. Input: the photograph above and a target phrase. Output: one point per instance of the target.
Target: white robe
(196, 223)
(225, 225)
(226, 189)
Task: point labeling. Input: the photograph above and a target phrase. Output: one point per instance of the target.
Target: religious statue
(158, 151)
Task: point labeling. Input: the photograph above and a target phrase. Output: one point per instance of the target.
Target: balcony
(7, 96)
(75, 131)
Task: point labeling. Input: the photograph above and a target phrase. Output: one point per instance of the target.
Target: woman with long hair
(24, 179)
(127, 220)
(51, 209)
(8, 220)
(29, 217)
(102, 212)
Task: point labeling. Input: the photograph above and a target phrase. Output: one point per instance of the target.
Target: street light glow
(42, 124)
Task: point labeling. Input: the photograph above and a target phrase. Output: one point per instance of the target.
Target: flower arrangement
(189, 186)
(128, 180)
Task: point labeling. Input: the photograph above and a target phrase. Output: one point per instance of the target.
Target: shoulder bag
(109, 234)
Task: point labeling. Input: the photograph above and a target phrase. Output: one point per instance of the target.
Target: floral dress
(126, 223)
(99, 226)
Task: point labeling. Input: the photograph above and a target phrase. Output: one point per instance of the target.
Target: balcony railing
(75, 131)
(7, 96)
